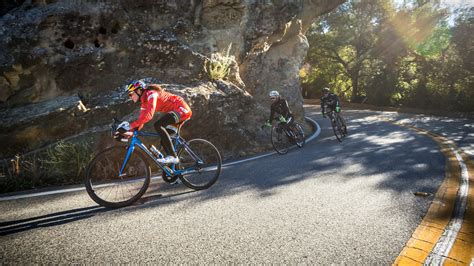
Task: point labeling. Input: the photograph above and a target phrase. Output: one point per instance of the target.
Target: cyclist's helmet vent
(273, 94)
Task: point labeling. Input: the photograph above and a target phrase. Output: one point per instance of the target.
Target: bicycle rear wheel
(299, 135)
(107, 188)
(201, 162)
(280, 140)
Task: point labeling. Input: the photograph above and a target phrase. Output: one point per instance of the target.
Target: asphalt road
(329, 202)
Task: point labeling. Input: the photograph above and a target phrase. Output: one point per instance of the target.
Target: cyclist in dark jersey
(329, 100)
(279, 106)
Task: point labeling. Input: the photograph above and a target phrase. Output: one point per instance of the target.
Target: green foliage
(344, 40)
(218, 66)
(68, 160)
(437, 42)
(394, 54)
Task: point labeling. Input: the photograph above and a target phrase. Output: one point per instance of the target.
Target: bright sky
(451, 4)
(448, 3)
(458, 3)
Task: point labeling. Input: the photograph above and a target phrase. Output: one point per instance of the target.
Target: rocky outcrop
(63, 63)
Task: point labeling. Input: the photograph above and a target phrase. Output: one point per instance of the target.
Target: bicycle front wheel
(280, 140)
(200, 162)
(299, 135)
(342, 123)
(336, 127)
(109, 189)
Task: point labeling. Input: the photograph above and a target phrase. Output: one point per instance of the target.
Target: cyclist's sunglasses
(130, 94)
(272, 98)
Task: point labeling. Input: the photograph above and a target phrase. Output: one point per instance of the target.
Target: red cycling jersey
(160, 101)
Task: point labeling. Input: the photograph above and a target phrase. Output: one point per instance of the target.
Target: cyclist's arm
(286, 109)
(146, 112)
(272, 113)
(323, 106)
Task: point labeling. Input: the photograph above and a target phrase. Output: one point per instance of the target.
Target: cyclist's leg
(289, 125)
(168, 119)
(331, 114)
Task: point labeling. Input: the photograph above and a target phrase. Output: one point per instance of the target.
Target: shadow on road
(64, 217)
(52, 219)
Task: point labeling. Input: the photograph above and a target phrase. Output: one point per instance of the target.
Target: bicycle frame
(332, 115)
(169, 170)
(285, 128)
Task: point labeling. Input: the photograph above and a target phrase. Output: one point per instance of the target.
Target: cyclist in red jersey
(154, 99)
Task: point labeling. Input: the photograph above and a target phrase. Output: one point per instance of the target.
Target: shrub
(218, 66)
(68, 160)
(22, 173)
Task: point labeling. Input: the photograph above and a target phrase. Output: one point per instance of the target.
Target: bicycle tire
(299, 135)
(343, 124)
(280, 140)
(102, 177)
(203, 174)
(340, 124)
(336, 129)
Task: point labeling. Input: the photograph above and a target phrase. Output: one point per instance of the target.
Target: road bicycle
(286, 134)
(120, 175)
(338, 124)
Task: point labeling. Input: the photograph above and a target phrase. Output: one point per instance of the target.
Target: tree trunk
(355, 88)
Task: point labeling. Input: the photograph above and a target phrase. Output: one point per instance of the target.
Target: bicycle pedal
(176, 182)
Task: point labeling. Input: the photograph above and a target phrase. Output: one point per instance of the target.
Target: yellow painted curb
(463, 249)
(439, 214)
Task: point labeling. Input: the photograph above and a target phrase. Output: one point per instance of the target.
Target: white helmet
(273, 94)
(121, 128)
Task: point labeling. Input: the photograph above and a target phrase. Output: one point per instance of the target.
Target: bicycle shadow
(165, 194)
(73, 215)
(48, 220)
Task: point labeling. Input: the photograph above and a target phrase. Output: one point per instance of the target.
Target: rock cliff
(63, 64)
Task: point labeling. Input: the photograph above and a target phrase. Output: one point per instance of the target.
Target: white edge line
(38, 194)
(31, 195)
(313, 136)
(444, 245)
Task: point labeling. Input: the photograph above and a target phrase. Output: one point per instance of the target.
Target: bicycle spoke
(280, 140)
(107, 188)
(200, 163)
